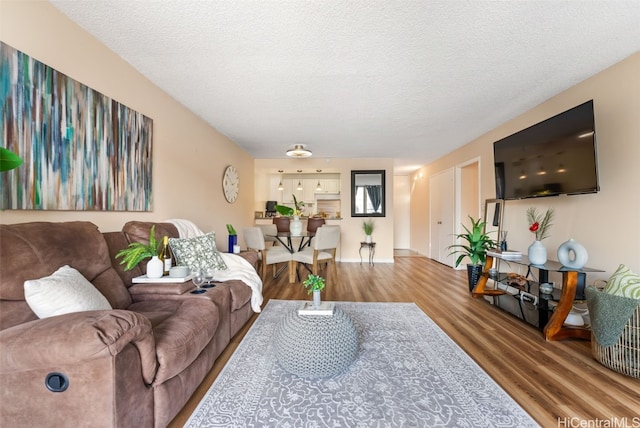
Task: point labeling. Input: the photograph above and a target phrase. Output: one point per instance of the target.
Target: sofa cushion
(197, 253)
(138, 231)
(182, 328)
(63, 292)
(35, 250)
(624, 282)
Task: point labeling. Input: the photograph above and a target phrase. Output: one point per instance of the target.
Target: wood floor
(557, 383)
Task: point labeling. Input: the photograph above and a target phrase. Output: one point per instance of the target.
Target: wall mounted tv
(556, 156)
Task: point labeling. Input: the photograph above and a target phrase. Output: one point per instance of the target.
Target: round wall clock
(230, 184)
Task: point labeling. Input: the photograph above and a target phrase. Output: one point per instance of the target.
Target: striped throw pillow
(624, 282)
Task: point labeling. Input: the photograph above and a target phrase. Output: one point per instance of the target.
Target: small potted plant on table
(475, 249)
(136, 252)
(368, 226)
(315, 284)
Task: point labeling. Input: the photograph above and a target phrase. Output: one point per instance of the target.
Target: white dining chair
(254, 240)
(322, 251)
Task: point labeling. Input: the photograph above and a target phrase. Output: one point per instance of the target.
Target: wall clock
(230, 184)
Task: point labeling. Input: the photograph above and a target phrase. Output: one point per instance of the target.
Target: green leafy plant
(539, 224)
(136, 251)
(9, 160)
(477, 243)
(231, 230)
(368, 226)
(288, 211)
(314, 283)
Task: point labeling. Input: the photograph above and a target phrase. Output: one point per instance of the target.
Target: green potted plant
(136, 252)
(314, 284)
(475, 249)
(9, 160)
(368, 226)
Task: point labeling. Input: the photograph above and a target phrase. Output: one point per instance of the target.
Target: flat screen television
(556, 156)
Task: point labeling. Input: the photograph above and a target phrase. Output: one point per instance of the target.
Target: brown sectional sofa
(134, 365)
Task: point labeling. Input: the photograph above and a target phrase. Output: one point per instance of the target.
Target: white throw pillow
(63, 292)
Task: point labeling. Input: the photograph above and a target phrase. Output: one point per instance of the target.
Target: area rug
(408, 373)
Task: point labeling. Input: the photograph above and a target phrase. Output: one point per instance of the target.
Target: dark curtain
(375, 195)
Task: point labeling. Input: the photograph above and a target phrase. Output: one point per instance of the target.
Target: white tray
(167, 279)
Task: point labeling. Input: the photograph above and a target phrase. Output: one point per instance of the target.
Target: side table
(372, 250)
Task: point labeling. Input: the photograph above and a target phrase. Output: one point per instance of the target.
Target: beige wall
(189, 156)
(352, 233)
(606, 223)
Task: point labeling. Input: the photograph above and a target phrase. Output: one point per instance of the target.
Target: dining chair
(282, 223)
(313, 223)
(269, 231)
(254, 240)
(322, 251)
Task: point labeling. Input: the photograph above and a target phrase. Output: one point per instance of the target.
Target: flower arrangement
(539, 224)
(314, 283)
(288, 211)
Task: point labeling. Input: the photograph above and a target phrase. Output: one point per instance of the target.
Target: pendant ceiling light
(299, 151)
(318, 187)
(280, 186)
(299, 181)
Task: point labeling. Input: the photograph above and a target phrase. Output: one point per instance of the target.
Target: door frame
(458, 184)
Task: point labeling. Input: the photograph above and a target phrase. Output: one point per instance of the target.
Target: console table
(372, 250)
(573, 282)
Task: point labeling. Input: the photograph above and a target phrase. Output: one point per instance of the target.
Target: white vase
(367, 239)
(316, 299)
(537, 253)
(295, 226)
(155, 268)
(572, 255)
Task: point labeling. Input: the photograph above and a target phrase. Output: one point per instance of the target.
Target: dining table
(287, 239)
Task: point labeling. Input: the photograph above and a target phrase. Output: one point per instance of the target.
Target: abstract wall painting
(82, 150)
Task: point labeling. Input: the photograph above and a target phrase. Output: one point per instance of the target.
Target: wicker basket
(623, 356)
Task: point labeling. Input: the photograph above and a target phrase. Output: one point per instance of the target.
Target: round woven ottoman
(316, 345)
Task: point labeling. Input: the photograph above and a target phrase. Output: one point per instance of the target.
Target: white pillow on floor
(64, 291)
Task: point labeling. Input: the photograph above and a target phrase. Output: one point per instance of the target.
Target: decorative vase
(233, 240)
(473, 275)
(537, 253)
(316, 299)
(572, 255)
(367, 239)
(295, 226)
(155, 268)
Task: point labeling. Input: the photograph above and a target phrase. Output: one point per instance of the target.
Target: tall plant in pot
(474, 249)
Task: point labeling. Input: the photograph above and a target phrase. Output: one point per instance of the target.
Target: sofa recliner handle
(56, 382)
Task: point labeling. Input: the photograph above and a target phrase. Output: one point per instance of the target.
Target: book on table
(326, 308)
(504, 254)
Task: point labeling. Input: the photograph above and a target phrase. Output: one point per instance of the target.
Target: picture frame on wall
(81, 149)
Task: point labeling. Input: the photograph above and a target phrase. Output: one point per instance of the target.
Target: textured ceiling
(410, 80)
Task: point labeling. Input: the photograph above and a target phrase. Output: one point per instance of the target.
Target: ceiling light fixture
(299, 181)
(299, 151)
(280, 186)
(318, 187)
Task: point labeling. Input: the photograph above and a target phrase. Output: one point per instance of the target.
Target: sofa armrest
(77, 337)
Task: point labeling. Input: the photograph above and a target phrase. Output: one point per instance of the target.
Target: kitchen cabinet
(329, 185)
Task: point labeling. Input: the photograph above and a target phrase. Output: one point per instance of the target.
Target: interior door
(441, 201)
